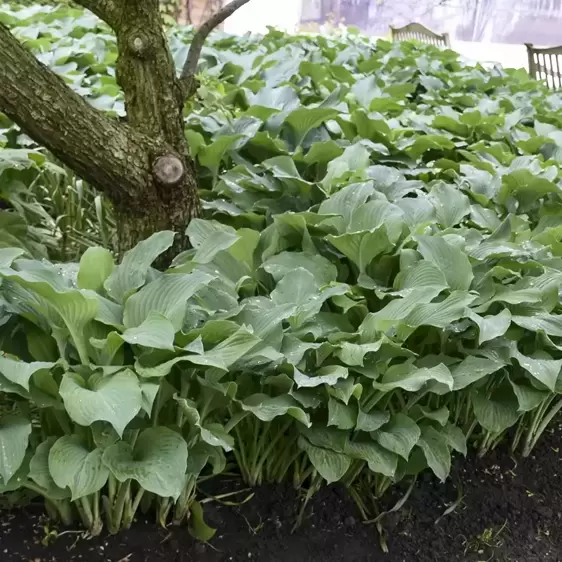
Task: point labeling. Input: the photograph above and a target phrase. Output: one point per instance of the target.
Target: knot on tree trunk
(140, 45)
(168, 170)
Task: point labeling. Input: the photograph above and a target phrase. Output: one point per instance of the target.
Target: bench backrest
(546, 65)
(418, 32)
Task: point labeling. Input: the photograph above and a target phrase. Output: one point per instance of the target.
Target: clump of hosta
(375, 286)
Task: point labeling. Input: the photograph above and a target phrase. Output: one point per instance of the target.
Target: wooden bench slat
(418, 32)
(545, 65)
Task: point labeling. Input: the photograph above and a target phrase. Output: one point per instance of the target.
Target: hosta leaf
(167, 295)
(473, 369)
(544, 370)
(14, 436)
(371, 421)
(197, 528)
(326, 437)
(550, 324)
(131, 273)
(345, 202)
(354, 158)
(441, 415)
(222, 356)
(8, 255)
(452, 262)
(156, 331)
(455, 438)
(96, 265)
(116, 398)
(436, 451)
(520, 183)
(451, 205)
(362, 247)
(399, 435)
(281, 98)
(63, 307)
(329, 375)
(429, 142)
(267, 408)
(421, 274)
(301, 289)
(379, 460)
(19, 372)
(527, 396)
(441, 314)
(398, 309)
(322, 269)
(215, 435)
(227, 352)
(304, 119)
(73, 465)
(39, 471)
(494, 415)
(211, 155)
(329, 464)
(343, 416)
(210, 238)
(353, 354)
(158, 461)
(418, 211)
(411, 379)
(491, 327)
(376, 213)
(149, 391)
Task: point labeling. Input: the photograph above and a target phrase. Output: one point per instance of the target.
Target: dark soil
(511, 511)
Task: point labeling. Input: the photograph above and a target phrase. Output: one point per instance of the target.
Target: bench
(418, 32)
(545, 65)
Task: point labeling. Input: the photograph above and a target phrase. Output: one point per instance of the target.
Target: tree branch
(107, 10)
(190, 66)
(98, 148)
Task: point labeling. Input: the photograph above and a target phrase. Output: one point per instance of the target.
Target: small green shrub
(375, 285)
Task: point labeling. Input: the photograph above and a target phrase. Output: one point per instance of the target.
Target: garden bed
(511, 512)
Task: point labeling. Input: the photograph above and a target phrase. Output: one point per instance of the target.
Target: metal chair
(545, 65)
(418, 32)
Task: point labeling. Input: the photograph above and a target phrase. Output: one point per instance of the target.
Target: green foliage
(376, 282)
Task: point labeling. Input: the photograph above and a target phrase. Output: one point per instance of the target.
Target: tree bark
(142, 165)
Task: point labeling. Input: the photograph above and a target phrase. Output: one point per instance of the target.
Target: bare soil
(511, 511)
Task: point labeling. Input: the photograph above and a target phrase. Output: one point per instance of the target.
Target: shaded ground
(510, 513)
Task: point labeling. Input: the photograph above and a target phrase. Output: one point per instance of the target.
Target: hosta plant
(373, 288)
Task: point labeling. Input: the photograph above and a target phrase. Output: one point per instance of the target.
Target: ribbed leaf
(158, 461)
(435, 448)
(493, 414)
(379, 460)
(329, 464)
(472, 369)
(267, 408)
(14, 436)
(451, 261)
(19, 372)
(399, 435)
(156, 331)
(544, 370)
(491, 327)
(73, 465)
(167, 295)
(116, 399)
(411, 379)
(131, 273)
(96, 265)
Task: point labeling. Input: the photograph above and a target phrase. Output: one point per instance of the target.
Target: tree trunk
(142, 165)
